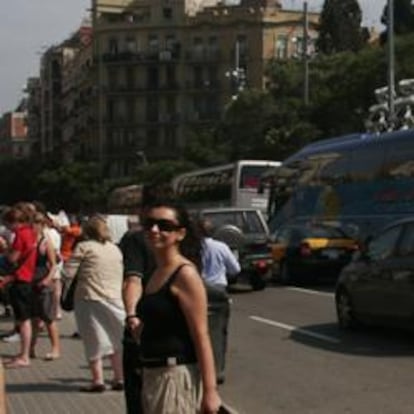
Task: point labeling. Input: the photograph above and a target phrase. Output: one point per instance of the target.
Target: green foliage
(74, 187)
(403, 16)
(245, 124)
(340, 27)
(204, 149)
(163, 171)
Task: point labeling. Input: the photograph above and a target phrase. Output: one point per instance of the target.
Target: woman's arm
(191, 294)
(72, 265)
(51, 261)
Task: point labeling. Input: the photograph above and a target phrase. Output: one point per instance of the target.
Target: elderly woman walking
(99, 311)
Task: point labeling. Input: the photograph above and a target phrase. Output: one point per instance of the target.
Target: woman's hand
(211, 401)
(134, 325)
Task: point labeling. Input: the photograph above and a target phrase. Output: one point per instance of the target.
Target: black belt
(166, 362)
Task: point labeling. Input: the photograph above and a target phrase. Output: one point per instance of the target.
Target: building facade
(14, 143)
(163, 68)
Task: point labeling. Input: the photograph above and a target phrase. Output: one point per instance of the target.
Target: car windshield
(248, 221)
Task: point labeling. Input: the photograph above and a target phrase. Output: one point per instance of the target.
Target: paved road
(287, 356)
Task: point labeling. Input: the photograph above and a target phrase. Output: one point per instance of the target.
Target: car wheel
(345, 310)
(257, 282)
(285, 274)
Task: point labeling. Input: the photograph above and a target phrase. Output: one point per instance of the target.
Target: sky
(28, 27)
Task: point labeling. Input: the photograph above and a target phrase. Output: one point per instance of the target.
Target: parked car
(378, 285)
(308, 251)
(246, 233)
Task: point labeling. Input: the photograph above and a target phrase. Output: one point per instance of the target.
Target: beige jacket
(100, 271)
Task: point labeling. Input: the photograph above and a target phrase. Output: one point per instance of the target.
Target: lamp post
(391, 62)
(305, 53)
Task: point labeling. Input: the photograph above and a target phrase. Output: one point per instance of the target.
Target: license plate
(331, 254)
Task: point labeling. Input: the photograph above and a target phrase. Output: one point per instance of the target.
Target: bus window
(334, 167)
(367, 163)
(399, 160)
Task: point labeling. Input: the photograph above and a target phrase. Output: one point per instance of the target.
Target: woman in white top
(99, 310)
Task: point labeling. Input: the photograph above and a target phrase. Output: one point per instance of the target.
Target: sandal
(117, 386)
(17, 363)
(96, 388)
(51, 357)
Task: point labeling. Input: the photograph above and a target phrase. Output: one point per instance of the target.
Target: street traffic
(288, 355)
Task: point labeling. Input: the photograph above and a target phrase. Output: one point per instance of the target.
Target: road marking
(292, 328)
(311, 292)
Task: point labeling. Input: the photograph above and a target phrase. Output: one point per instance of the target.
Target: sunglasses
(162, 225)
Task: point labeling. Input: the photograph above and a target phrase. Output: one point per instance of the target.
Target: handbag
(67, 297)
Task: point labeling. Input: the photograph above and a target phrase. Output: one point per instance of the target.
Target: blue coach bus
(359, 182)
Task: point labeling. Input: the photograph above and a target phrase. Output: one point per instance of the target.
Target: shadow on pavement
(366, 341)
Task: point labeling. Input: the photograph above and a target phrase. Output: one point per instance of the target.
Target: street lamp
(238, 74)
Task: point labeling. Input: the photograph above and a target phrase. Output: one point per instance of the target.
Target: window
(198, 47)
(170, 137)
(131, 44)
(167, 13)
(281, 47)
(170, 75)
(198, 76)
(367, 163)
(333, 168)
(383, 246)
(113, 46)
(152, 78)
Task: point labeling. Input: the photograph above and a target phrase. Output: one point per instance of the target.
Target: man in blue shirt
(218, 262)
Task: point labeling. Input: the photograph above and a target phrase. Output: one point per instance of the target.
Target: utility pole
(305, 53)
(391, 62)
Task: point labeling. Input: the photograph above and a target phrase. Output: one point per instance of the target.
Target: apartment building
(14, 143)
(77, 91)
(33, 119)
(163, 68)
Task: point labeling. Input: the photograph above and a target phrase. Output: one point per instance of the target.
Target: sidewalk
(52, 387)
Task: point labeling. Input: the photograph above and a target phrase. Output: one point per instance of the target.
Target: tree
(403, 18)
(247, 119)
(340, 27)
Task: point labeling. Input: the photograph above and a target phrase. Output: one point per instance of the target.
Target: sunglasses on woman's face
(162, 225)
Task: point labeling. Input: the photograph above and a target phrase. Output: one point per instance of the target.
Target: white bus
(231, 185)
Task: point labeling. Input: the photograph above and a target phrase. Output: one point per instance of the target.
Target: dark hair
(190, 246)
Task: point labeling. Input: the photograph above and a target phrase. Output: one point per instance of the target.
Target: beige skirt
(101, 326)
(171, 390)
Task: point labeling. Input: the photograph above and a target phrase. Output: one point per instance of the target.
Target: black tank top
(165, 331)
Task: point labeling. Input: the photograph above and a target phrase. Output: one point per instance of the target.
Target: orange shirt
(69, 237)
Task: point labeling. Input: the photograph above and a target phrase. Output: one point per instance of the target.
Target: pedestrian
(23, 256)
(99, 310)
(43, 289)
(138, 266)
(177, 357)
(218, 262)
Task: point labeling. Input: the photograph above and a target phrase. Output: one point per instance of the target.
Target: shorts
(43, 304)
(171, 390)
(21, 299)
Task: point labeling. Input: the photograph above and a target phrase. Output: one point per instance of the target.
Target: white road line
(311, 292)
(292, 328)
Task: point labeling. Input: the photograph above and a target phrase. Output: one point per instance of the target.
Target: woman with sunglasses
(176, 351)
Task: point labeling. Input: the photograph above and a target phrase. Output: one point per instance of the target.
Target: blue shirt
(218, 261)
